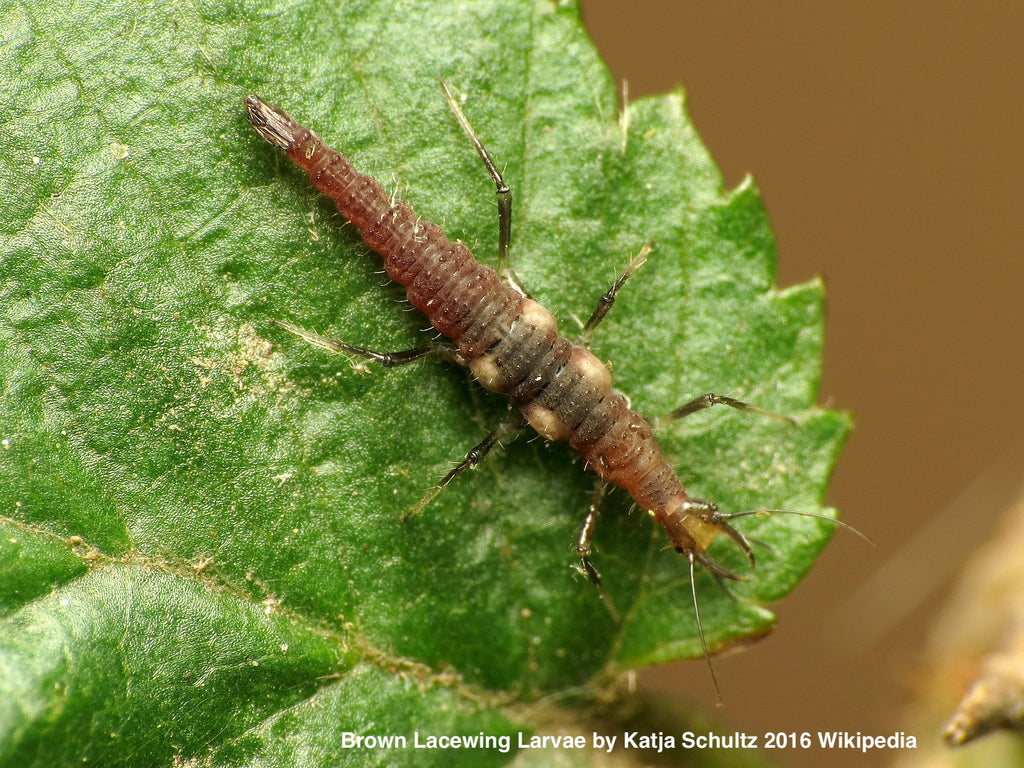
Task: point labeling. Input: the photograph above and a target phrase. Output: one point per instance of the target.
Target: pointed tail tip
(272, 124)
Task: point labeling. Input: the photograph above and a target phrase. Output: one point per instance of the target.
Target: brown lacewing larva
(511, 345)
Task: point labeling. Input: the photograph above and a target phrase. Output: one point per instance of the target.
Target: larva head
(693, 525)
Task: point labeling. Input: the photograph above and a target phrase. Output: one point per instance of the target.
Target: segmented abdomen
(509, 342)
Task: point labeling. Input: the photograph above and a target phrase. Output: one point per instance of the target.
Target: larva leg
(710, 399)
(608, 298)
(584, 546)
(504, 194)
(584, 542)
(510, 426)
(387, 359)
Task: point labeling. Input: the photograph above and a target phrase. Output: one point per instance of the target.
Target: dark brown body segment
(509, 342)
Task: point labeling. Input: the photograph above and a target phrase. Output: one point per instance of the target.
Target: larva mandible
(511, 344)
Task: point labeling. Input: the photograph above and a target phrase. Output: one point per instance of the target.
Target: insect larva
(511, 344)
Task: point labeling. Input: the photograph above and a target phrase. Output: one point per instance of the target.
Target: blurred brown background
(888, 142)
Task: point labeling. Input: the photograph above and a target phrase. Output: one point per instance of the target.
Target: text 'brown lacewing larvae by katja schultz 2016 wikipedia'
(511, 346)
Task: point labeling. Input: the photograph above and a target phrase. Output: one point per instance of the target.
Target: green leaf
(202, 557)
